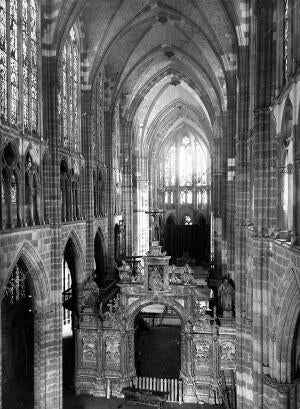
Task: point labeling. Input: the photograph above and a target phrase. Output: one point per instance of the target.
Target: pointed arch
(134, 308)
(100, 257)
(79, 257)
(37, 273)
(284, 323)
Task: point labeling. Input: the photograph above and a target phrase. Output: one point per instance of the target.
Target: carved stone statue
(187, 275)
(90, 292)
(155, 280)
(124, 272)
(226, 295)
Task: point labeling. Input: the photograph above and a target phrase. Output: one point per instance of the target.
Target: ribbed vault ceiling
(171, 60)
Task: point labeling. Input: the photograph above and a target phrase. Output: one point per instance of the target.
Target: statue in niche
(155, 280)
(227, 352)
(226, 295)
(187, 275)
(125, 272)
(118, 193)
(139, 271)
(90, 292)
(156, 228)
(173, 278)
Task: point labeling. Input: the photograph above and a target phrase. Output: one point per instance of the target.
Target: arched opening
(169, 237)
(286, 159)
(64, 190)
(45, 184)
(296, 353)
(28, 199)
(189, 241)
(158, 342)
(69, 297)
(100, 264)
(18, 340)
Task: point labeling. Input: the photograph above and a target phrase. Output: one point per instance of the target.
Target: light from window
(68, 107)
(187, 220)
(286, 37)
(67, 292)
(3, 61)
(18, 36)
(185, 162)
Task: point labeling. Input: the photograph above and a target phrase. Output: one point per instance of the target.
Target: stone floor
(89, 402)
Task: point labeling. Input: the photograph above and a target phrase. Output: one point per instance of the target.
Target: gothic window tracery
(285, 38)
(70, 191)
(17, 287)
(286, 170)
(68, 99)
(184, 173)
(18, 63)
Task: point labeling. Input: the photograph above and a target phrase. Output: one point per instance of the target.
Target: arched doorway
(157, 342)
(17, 330)
(100, 262)
(69, 297)
(189, 241)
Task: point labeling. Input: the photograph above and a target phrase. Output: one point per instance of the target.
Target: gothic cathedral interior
(150, 202)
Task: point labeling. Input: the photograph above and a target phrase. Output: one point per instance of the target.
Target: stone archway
(100, 257)
(26, 289)
(158, 333)
(71, 268)
(135, 308)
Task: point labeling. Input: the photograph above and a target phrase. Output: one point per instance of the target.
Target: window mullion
(8, 79)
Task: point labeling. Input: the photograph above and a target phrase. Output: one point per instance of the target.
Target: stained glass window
(69, 92)
(18, 59)
(16, 287)
(166, 197)
(185, 162)
(25, 65)
(286, 37)
(182, 197)
(98, 117)
(13, 189)
(170, 166)
(33, 68)
(67, 293)
(3, 63)
(172, 198)
(14, 60)
(201, 165)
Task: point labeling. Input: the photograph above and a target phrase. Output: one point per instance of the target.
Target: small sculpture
(90, 292)
(155, 280)
(173, 279)
(187, 275)
(124, 272)
(226, 295)
(139, 273)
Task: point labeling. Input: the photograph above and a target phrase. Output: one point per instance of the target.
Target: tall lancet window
(18, 60)
(170, 166)
(68, 103)
(185, 162)
(14, 60)
(3, 61)
(285, 38)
